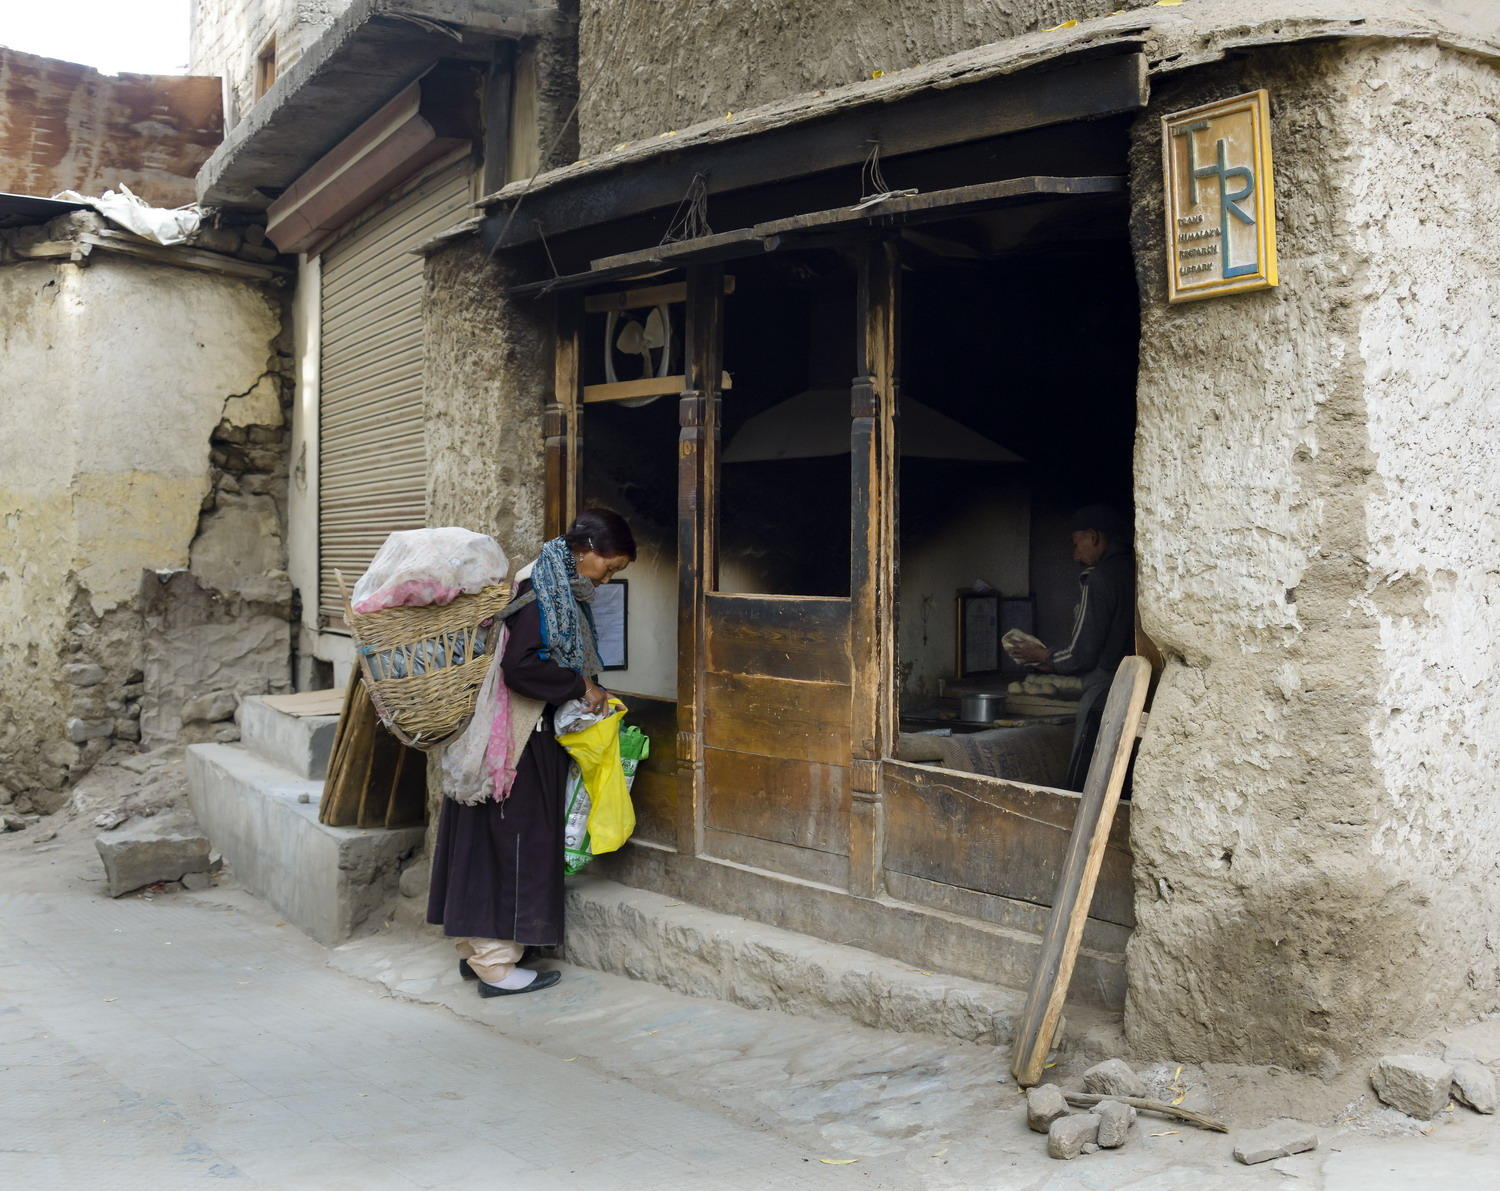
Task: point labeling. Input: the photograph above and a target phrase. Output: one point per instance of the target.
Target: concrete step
(701, 953)
(326, 880)
(299, 743)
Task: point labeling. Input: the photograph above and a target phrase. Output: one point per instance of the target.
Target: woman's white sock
(518, 978)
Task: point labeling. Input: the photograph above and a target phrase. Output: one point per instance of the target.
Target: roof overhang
(361, 61)
(656, 171)
(21, 210)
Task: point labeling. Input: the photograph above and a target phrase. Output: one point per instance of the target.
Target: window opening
(265, 67)
(784, 475)
(1018, 407)
(628, 463)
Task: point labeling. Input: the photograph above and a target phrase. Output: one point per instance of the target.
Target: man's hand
(1031, 655)
(597, 698)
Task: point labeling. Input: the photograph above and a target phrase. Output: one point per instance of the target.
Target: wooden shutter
(372, 453)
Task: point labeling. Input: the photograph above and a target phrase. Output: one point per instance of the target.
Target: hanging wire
(873, 188)
(542, 234)
(690, 220)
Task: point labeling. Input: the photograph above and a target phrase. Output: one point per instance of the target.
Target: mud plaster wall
(1314, 827)
(140, 433)
(647, 68)
(487, 375)
(67, 127)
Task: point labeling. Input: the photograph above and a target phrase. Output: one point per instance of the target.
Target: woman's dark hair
(602, 531)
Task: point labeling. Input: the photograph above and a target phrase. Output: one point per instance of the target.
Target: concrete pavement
(161, 1043)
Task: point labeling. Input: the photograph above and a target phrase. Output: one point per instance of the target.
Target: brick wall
(227, 36)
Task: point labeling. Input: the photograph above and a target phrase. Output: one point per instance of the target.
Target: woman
(497, 871)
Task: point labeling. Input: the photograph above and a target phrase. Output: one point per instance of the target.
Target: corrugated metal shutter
(372, 476)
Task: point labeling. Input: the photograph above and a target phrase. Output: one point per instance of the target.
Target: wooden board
(1076, 882)
(642, 296)
(805, 864)
(329, 702)
(791, 802)
(996, 837)
(805, 638)
(654, 791)
(646, 386)
(777, 717)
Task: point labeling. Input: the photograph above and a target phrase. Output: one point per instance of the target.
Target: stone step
(702, 953)
(328, 881)
(299, 743)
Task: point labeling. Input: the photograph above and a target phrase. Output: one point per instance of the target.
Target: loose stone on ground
(1417, 1085)
(1115, 1120)
(1068, 1135)
(1280, 1140)
(1474, 1085)
(1113, 1077)
(166, 848)
(1044, 1104)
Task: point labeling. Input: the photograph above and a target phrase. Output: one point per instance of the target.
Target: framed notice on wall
(1220, 198)
(611, 620)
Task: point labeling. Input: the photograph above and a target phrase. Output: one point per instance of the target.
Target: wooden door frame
(697, 533)
(874, 408)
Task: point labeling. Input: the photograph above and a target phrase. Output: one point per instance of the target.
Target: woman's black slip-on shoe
(543, 980)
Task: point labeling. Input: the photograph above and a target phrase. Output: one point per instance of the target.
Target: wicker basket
(423, 709)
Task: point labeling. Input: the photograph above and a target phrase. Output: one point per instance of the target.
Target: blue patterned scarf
(563, 598)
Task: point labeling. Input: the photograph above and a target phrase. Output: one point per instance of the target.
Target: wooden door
(776, 739)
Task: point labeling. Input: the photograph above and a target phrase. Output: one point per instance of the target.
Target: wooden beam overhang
(838, 222)
(428, 120)
(957, 113)
(373, 50)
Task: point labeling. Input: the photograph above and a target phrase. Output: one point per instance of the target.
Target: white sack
(417, 567)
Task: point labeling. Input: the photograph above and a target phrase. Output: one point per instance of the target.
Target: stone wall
(1314, 826)
(141, 437)
(227, 35)
(648, 68)
(67, 127)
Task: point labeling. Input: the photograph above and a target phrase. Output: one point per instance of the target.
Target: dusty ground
(164, 999)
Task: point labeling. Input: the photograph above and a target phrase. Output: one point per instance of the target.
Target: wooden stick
(1080, 869)
(1083, 1099)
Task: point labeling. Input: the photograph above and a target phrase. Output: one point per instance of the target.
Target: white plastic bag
(417, 567)
(160, 224)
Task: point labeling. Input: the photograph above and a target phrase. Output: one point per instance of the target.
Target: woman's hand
(597, 698)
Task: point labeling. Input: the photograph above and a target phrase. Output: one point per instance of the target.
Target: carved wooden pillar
(697, 553)
(873, 560)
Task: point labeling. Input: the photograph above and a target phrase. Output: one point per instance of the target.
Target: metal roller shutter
(372, 476)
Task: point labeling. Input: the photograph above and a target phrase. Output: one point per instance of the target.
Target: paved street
(158, 1043)
(161, 1040)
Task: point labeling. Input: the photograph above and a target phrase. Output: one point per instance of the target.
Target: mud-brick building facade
(890, 286)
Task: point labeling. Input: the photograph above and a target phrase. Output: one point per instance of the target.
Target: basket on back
(423, 666)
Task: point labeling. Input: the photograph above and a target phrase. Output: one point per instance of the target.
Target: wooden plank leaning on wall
(873, 557)
(697, 567)
(1080, 869)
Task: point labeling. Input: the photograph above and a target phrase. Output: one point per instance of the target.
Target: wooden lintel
(183, 258)
(649, 295)
(837, 225)
(647, 386)
(1028, 99)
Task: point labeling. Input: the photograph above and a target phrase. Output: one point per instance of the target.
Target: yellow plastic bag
(596, 750)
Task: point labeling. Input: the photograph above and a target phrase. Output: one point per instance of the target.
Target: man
(1103, 625)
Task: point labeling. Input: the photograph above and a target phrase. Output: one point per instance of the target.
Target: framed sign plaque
(1220, 198)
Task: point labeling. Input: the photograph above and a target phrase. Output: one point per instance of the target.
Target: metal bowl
(982, 708)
